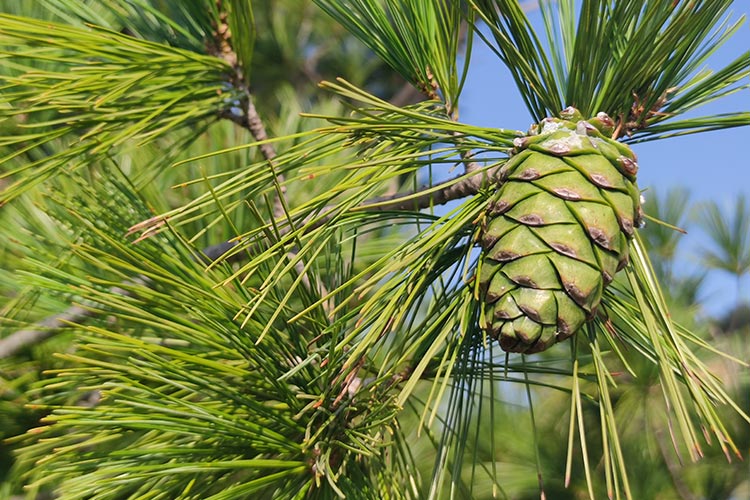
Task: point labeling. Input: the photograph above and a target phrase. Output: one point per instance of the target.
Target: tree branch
(51, 325)
(251, 121)
(419, 199)
(43, 330)
(427, 196)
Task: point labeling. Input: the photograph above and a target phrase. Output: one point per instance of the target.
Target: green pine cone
(556, 231)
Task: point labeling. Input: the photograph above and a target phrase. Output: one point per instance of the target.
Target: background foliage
(333, 349)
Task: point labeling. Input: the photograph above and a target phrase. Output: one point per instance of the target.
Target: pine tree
(262, 296)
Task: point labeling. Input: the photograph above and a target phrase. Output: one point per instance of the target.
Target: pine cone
(556, 231)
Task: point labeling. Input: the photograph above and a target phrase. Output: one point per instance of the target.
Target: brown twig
(428, 196)
(254, 124)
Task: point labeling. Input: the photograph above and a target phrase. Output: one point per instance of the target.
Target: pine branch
(426, 196)
(51, 325)
(461, 186)
(43, 330)
(422, 198)
(225, 49)
(252, 122)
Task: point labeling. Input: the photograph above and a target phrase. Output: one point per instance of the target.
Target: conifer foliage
(229, 221)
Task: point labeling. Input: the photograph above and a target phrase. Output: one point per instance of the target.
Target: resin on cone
(556, 231)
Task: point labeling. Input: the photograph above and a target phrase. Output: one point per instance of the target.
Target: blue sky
(712, 166)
